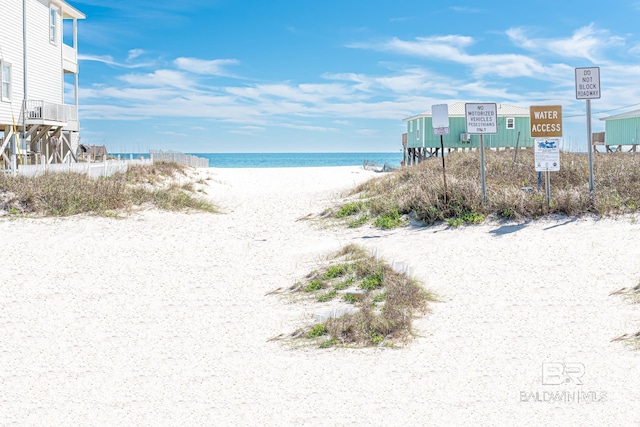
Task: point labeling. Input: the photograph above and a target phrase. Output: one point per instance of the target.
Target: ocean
(289, 160)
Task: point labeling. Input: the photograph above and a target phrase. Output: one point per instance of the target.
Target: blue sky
(326, 76)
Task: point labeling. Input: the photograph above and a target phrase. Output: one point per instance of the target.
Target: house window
(511, 123)
(5, 78)
(418, 129)
(53, 25)
(410, 126)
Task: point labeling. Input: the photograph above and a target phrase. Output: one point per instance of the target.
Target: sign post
(482, 118)
(588, 87)
(440, 123)
(547, 159)
(546, 121)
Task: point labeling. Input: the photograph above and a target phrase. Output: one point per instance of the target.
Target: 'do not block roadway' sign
(588, 83)
(546, 121)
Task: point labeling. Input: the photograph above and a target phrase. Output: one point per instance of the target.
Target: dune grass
(512, 190)
(385, 301)
(633, 296)
(65, 194)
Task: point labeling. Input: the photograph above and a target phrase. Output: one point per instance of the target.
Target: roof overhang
(627, 115)
(68, 11)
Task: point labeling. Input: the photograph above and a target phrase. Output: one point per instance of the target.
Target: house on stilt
(38, 59)
(420, 142)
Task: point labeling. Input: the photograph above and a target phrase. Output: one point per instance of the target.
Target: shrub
(418, 190)
(64, 194)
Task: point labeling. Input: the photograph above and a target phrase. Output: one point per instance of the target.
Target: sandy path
(161, 318)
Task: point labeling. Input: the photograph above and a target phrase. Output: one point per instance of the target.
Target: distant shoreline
(287, 160)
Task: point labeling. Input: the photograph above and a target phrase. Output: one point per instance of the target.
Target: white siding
(44, 60)
(11, 51)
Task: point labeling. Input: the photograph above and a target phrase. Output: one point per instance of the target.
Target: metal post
(590, 147)
(484, 187)
(14, 165)
(444, 171)
(548, 187)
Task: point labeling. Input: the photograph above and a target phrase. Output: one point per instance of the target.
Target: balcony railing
(70, 58)
(36, 111)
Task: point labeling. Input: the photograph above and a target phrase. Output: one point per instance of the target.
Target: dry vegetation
(64, 194)
(383, 301)
(633, 296)
(418, 191)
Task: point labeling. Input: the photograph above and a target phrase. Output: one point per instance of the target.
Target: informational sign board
(440, 119)
(546, 121)
(547, 155)
(588, 83)
(481, 118)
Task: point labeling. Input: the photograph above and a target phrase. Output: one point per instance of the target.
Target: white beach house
(39, 75)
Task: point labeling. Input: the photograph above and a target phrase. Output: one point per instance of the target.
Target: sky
(337, 76)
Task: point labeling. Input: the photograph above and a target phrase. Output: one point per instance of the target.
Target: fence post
(104, 159)
(14, 165)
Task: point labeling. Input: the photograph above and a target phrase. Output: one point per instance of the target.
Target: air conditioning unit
(465, 137)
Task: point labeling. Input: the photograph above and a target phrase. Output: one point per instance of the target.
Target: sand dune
(162, 319)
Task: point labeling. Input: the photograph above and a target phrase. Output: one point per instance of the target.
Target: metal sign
(547, 155)
(546, 121)
(481, 118)
(588, 83)
(440, 115)
(440, 123)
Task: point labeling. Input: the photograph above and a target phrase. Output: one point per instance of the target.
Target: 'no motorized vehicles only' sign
(481, 118)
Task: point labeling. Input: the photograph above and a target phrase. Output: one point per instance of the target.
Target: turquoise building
(513, 130)
(622, 129)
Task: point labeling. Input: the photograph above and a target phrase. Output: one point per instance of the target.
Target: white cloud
(465, 9)
(586, 42)
(215, 67)
(159, 78)
(134, 53)
(108, 59)
(451, 48)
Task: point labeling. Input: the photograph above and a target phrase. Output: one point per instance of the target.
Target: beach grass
(384, 301)
(417, 192)
(65, 194)
(631, 295)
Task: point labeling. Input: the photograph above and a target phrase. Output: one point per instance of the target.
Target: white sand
(162, 319)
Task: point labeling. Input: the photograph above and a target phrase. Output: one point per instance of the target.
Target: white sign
(440, 119)
(588, 83)
(547, 155)
(440, 116)
(481, 118)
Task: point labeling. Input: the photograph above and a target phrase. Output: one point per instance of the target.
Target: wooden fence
(175, 156)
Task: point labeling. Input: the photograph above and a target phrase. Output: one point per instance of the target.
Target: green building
(622, 129)
(513, 129)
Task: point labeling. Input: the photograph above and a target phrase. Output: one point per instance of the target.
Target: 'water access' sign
(481, 118)
(546, 121)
